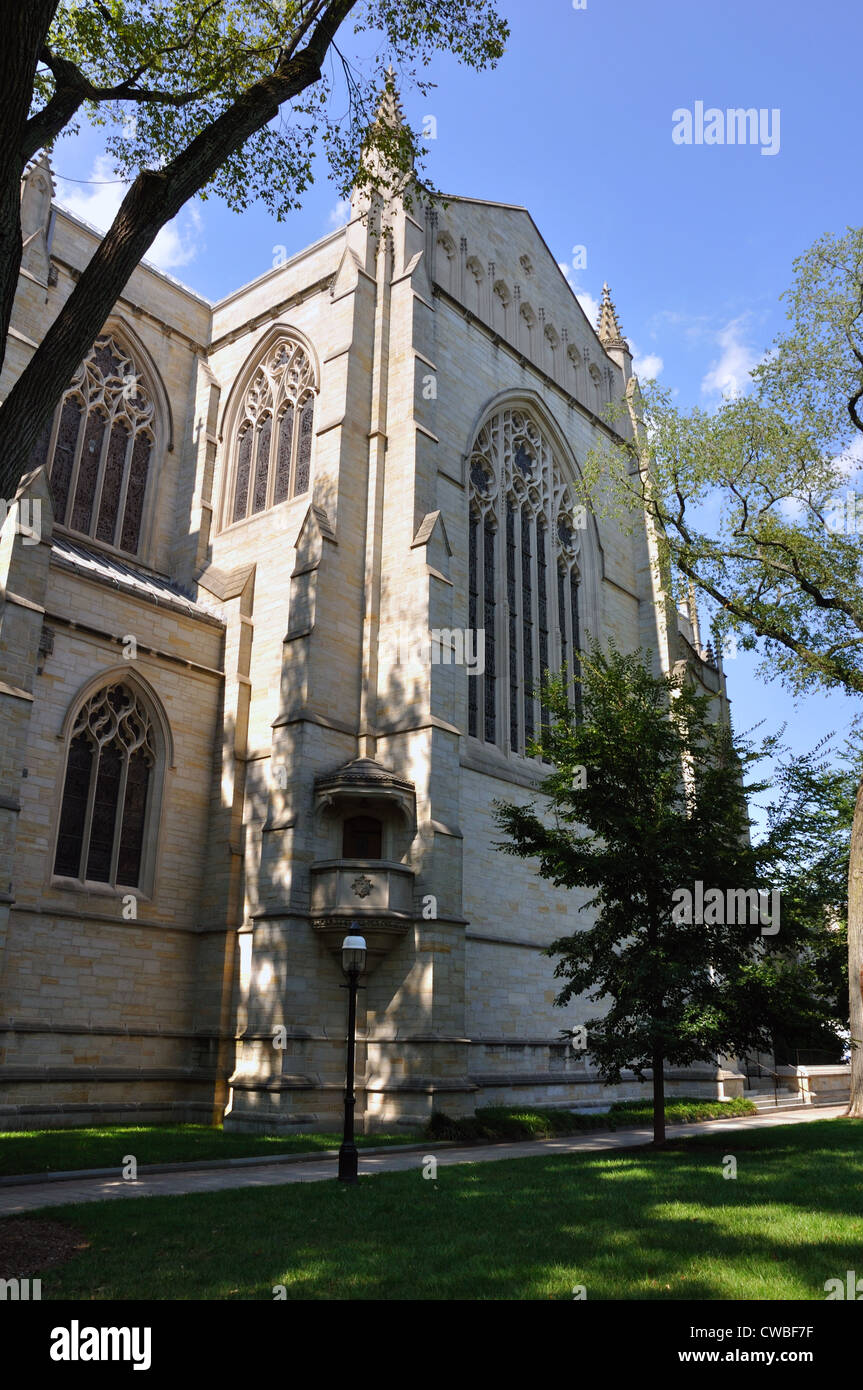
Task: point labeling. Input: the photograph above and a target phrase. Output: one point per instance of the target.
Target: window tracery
(274, 432)
(112, 755)
(99, 448)
(523, 575)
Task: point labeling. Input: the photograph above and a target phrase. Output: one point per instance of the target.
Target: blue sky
(696, 242)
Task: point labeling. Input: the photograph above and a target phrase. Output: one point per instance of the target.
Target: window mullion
(473, 616)
(124, 486)
(489, 610)
(514, 618)
(521, 702)
(295, 447)
(76, 462)
(528, 628)
(88, 815)
(574, 586)
(273, 462)
(503, 628)
(100, 473)
(118, 818)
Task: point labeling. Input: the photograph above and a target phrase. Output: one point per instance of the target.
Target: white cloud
(177, 243)
(340, 214)
(588, 304)
(584, 297)
(647, 367)
(728, 374)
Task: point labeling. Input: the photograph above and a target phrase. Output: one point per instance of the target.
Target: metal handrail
(770, 1072)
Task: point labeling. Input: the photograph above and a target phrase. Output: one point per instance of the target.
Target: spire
(389, 111)
(608, 329)
(387, 154)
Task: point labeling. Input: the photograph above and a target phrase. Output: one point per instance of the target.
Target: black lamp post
(353, 961)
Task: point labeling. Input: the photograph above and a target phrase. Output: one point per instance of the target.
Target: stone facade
(276, 656)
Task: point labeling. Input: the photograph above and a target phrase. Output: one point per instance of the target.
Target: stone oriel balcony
(376, 894)
(369, 813)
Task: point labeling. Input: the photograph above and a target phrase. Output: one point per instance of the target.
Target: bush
(494, 1123)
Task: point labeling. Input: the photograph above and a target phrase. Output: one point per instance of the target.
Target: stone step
(765, 1101)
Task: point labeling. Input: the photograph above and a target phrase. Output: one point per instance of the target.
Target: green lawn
(61, 1150)
(64, 1150)
(629, 1225)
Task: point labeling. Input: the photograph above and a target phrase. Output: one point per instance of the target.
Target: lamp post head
(353, 954)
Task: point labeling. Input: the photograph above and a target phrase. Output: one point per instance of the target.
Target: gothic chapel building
(222, 738)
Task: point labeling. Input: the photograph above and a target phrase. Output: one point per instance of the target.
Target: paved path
(32, 1196)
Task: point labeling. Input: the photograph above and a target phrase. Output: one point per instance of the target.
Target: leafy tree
(754, 504)
(200, 96)
(807, 843)
(646, 798)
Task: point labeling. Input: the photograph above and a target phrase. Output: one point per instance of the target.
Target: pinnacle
(389, 111)
(608, 328)
(42, 160)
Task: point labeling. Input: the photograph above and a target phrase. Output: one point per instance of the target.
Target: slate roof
(108, 569)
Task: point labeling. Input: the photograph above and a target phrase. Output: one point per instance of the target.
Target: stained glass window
(561, 616)
(99, 447)
(244, 469)
(576, 668)
(489, 604)
(112, 483)
(134, 816)
(262, 467)
(88, 471)
(473, 616)
(65, 451)
(542, 609)
(282, 391)
(112, 754)
(131, 533)
(531, 559)
(527, 624)
(512, 607)
(73, 814)
(283, 457)
(304, 449)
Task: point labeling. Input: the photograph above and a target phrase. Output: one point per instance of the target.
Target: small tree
(758, 505)
(646, 803)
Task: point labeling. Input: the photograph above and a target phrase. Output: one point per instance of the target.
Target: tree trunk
(855, 956)
(658, 1100)
(153, 199)
(24, 30)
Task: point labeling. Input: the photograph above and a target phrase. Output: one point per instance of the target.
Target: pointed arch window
(273, 437)
(110, 791)
(99, 448)
(523, 577)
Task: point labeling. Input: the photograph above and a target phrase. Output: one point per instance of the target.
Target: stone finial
(389, 112)
(608, 328)
(37, 190)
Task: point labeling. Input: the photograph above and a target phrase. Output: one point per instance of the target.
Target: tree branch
(152, 200)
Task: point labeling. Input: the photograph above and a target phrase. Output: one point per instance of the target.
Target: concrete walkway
(30, 1197)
